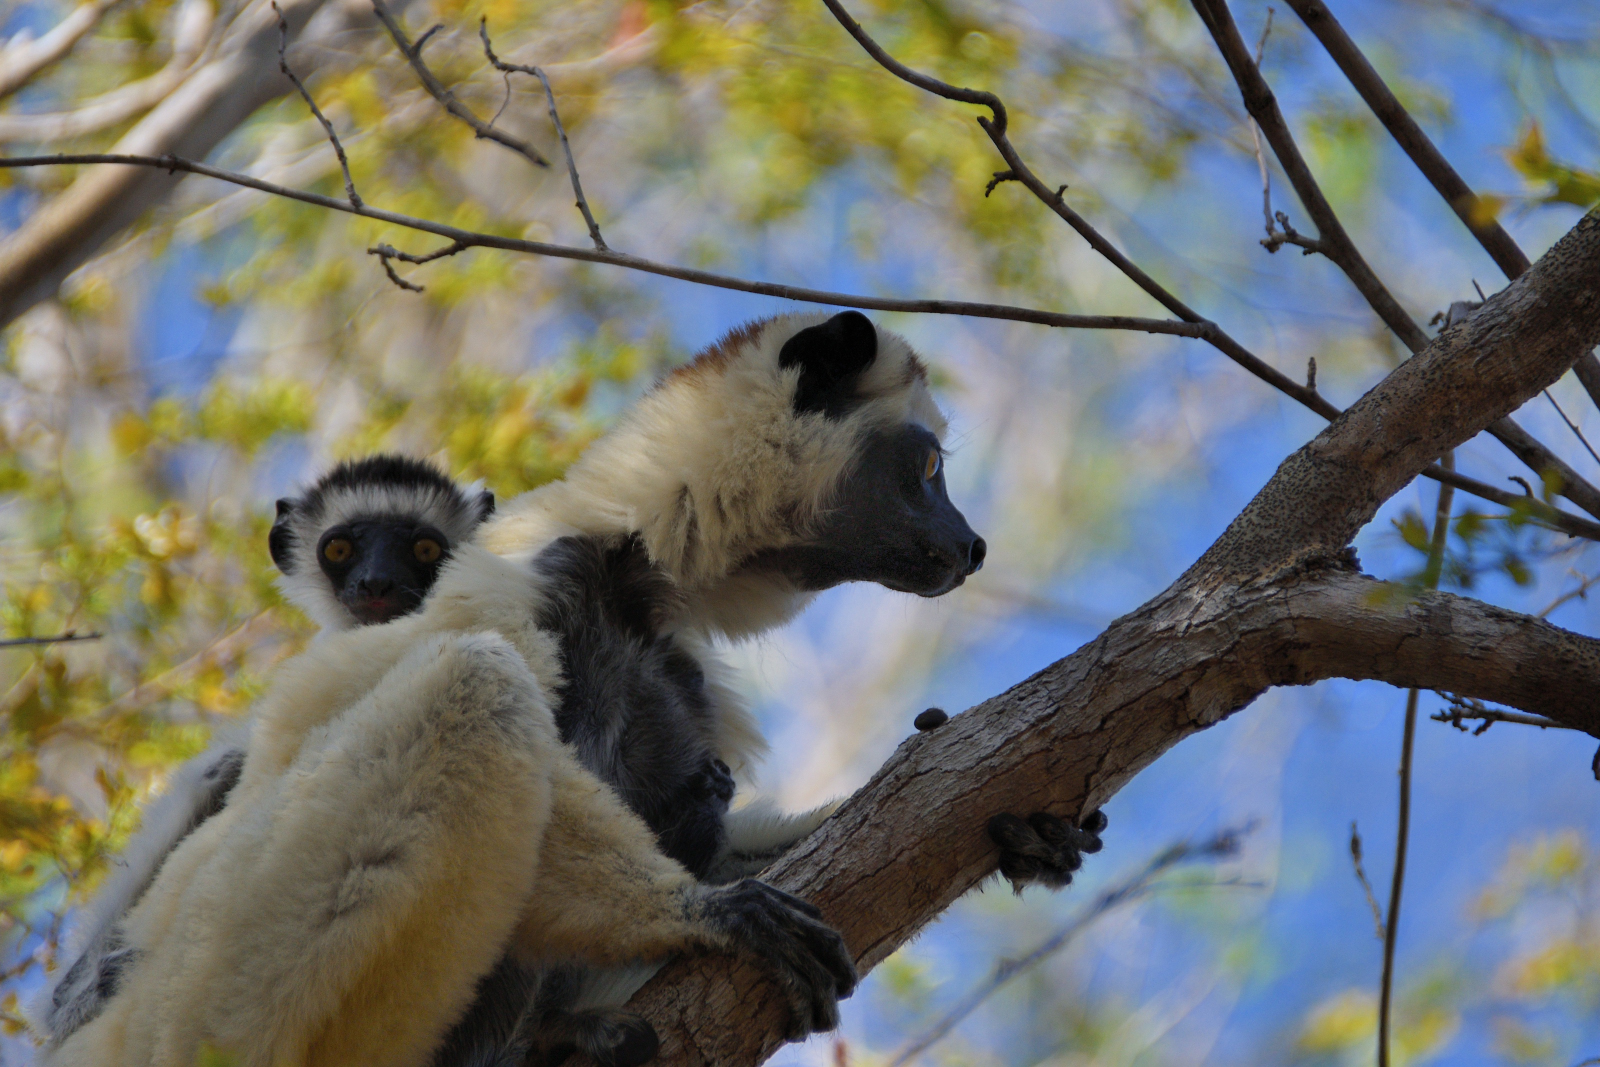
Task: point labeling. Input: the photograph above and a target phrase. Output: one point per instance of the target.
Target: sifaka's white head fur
(715, 464)
(376, 487)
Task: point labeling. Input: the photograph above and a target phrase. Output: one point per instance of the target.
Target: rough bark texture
(1276, 601)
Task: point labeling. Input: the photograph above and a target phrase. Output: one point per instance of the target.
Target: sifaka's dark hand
(1044, 849)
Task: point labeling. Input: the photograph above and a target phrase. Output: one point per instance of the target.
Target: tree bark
(1276, 601)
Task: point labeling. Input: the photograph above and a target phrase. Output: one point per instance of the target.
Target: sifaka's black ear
(830, 356)
(280, 542)
(485, 505)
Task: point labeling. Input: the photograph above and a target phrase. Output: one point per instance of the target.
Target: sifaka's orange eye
(932, 466)
(338, 550)
(427, 550)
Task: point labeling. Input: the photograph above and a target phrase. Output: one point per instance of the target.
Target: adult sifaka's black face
(891, 522)
(381, 569)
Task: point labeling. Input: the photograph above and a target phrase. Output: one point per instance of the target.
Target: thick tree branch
(1068, 738)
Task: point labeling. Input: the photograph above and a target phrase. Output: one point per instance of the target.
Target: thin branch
(388, 268)
(70, 635)
(1580, 593)
(1391, 929)
(1463, 710)
(1137, 885)
(338, 149)
(1019, 171)
(1335, 243)
(1261, 157)
(981, 97)
(1361, 876)
(471, 239)
(389, 252)
(550, 98)
(447, 99)
(1572, 426)
(1426, 156)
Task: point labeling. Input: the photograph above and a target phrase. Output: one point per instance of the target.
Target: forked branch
(447, 99)
(509, 69)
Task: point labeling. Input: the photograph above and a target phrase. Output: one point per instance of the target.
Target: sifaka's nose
(375, 587)
(975, 555)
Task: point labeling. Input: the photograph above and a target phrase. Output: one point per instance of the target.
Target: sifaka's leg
(345, 913)
(607, 895)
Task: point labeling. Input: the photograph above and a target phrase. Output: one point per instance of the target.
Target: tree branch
(316, 112)
(555, 118)
(56, 639)
(447, 99)
(471, 239)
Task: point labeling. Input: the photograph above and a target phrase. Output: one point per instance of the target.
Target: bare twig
(1276, 239)
(327, 127)
(388, 268)
(1202, 329)
(1335, 243)
(447, 99)
(1391, 929)
(70, 635)
(1580, 593)
(1572, 426)
(555, 118)
(388, 252)
(473, 239)
(1131, 888)
(1018, 171)
(1261, 157)
(1361, 876)
(1426, 156)
(1464, 709)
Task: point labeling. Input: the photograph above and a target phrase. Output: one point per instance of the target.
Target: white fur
(406, 812)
